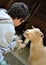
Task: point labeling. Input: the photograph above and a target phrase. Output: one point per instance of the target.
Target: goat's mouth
(25, 34)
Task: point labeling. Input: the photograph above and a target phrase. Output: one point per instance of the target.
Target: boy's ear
(23, 21)
(33, 27)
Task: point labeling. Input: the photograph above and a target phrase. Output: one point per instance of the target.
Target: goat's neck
(38, 42)
(36, 49)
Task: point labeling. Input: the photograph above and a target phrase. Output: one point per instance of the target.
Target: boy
(17, 14)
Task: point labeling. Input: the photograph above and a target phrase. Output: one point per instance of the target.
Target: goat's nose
(42, 35)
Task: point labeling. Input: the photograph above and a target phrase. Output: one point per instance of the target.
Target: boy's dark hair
(18, 10)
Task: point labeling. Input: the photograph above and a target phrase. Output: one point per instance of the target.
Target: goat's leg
(21, 44)
(26, 42)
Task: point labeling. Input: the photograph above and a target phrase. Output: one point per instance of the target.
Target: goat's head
(33, 34)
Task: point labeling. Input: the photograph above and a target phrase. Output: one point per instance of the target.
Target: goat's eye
(36, 32)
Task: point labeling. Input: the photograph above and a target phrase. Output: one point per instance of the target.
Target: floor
(18, 57)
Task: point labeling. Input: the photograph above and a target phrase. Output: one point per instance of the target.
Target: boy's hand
(20, 44)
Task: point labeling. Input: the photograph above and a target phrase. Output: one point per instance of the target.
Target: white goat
(37, 50)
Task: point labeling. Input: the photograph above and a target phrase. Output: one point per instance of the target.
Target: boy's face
(18, 22)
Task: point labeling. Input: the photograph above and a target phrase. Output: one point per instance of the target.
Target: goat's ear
(33, 27)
